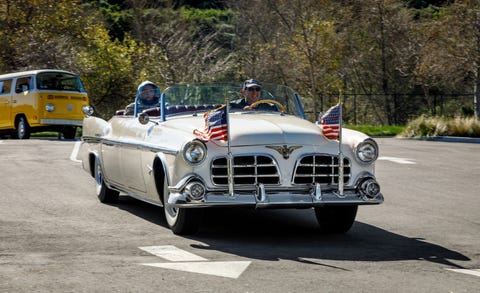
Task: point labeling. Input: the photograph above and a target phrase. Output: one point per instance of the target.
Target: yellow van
(41, 100)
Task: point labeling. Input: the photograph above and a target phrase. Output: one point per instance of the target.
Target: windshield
(59, 81)
(185, 99)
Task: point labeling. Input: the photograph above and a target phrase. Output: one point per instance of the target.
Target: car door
(24, 101)
(121, 154)
(110, 154)
(131, 153)
(6, 104)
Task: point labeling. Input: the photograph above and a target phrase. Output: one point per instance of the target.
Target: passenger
(148, 96)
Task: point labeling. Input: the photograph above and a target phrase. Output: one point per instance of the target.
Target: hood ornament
(284, 150)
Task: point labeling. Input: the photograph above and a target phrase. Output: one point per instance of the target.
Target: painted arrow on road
(188, 262)
(473, 272)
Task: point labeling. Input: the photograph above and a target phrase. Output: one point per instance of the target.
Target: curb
(447, 139)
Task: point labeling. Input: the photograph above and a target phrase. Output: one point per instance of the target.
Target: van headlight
(194, 152)
(50, 107)
(87, 110)
(367, 151)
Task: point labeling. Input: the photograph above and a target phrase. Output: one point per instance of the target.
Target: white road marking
(189, 262)
(76, 148)
(397, 160)
(172, 253)
(228, 269)
(475, 272)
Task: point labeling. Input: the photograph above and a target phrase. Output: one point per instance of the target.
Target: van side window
(23, 84)
(5, 86)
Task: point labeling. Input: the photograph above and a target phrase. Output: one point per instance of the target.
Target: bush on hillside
(425, 126)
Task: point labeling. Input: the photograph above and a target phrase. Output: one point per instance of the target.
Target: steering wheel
(280, 106)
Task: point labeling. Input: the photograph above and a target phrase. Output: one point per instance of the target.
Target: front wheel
(336, 219)
(23, 129)
(180, 220)
(104, 193)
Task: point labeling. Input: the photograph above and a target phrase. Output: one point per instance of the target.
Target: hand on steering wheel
(280, 106)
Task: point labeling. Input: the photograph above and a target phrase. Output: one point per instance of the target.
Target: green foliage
(41, 34)
(382, 52)
(117, 18)
(386, 130)
(109, 69)
(205, 16)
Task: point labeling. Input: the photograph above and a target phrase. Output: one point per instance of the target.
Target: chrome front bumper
(273, 200)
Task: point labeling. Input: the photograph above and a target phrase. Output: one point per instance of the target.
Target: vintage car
(269, 157)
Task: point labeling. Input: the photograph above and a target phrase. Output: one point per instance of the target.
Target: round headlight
(50, 107)
(87, 110)
(367, 151)
(194, 152)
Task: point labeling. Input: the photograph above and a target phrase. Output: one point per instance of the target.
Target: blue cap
(251, 82)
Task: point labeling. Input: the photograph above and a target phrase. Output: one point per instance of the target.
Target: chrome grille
(321, 169)
(251, 169)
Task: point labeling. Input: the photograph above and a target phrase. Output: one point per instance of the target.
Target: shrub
(425, 126)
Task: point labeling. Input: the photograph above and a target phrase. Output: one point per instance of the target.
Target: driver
(251, 92)
(148, 96)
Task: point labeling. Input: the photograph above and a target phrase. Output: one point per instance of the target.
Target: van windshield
(59, 81)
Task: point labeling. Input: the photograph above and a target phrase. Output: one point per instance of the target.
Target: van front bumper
(61, 122)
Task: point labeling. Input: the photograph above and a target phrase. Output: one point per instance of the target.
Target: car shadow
(294, 235)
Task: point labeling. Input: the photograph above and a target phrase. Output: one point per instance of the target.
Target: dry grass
(425, 126)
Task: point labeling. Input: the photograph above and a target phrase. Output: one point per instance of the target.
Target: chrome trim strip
(135, 145)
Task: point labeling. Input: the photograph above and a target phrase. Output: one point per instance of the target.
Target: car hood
(259, 129)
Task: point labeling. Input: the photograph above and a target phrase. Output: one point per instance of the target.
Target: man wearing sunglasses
(251, 92)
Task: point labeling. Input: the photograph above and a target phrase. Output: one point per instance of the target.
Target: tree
(294, 42)
(109, 70)
(380, 52)
(449, 60)
(49, 34)
(42, 34)
(193, 44)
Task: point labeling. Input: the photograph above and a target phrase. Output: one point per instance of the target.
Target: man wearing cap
(251, 91)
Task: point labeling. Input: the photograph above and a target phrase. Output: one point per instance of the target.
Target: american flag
(215, 125)
(330, 122)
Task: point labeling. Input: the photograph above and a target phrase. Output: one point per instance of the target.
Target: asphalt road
(56, 237)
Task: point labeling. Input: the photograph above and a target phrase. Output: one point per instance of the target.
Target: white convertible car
(179, 156)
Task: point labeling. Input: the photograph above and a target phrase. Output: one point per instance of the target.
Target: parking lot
(56, 236)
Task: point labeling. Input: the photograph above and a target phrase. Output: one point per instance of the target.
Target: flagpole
(229, 151)
(340, 153)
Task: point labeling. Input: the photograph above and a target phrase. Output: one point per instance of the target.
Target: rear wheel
(104, 193)
(336, 219)
(23, 129)
(180, 220)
